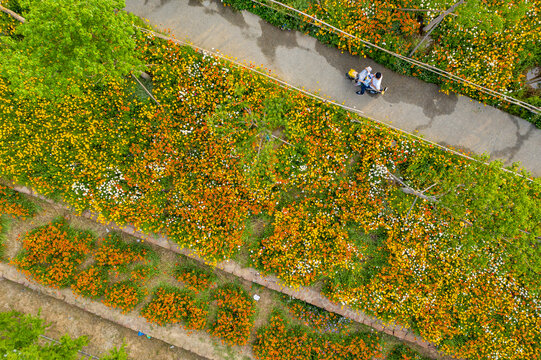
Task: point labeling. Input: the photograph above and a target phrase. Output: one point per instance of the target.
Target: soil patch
(103, 335)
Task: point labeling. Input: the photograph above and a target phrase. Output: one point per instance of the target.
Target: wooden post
(433, 24)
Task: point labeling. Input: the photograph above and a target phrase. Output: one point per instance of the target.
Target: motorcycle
(352, 75)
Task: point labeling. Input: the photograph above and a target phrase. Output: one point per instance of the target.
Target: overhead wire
(428, 67)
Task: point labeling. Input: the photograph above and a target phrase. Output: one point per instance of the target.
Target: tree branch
(409, 190)
(420, 194)
(440, 17)
(148, 92)
(277, 138)
(12, 14)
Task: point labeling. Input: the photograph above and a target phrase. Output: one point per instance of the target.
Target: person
(363, 75)
(372, 83)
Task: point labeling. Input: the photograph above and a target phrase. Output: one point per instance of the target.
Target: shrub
(52, 253)
(115, 253)
(235, 314)
(278, 342)
(194, 277)
(91, 282)
(20, 339)
(317, 318)
(170, 305)
(124, 296)
(142, 273)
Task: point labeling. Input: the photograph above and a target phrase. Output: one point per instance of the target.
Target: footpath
(409, 104)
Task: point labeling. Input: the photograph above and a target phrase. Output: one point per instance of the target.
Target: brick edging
(272, 282)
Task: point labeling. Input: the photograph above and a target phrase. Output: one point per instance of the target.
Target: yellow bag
(352, 73)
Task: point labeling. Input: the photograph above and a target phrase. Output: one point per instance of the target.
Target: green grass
(4, 228)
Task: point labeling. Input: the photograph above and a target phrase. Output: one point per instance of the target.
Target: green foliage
(66, 42)
(19, 334)
(500, 212)
(4, 223)
(18, 330)
(19, 340)
(402, 352)
(116, 354)
(476, 14)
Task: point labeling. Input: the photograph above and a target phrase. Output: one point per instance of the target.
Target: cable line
(431, 68)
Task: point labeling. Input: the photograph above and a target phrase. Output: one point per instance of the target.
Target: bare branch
(409, 190)
(13, 14)
(277, 138)
(440, 17)
(260, 143)
(148, 92)
(431, 186)
(411, 207)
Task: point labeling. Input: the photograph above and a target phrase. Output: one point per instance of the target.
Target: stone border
(271, 282)
(170, 334)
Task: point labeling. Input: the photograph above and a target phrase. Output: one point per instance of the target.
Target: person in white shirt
(372, 83)
(363, 75)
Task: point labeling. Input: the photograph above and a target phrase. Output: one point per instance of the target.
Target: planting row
(116, 272)
(233, 166)
(12, 205)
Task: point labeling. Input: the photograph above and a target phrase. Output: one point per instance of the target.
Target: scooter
(352, 75)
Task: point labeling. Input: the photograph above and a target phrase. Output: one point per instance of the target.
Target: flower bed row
(53, 253)
(207, 162)
(12, 205)
(279, 341)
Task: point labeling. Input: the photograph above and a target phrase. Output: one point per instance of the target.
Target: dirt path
(103, 335)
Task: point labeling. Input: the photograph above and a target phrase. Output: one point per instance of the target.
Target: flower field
(279, 340)
(391, 225)
(491, 43)
(221, 306)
